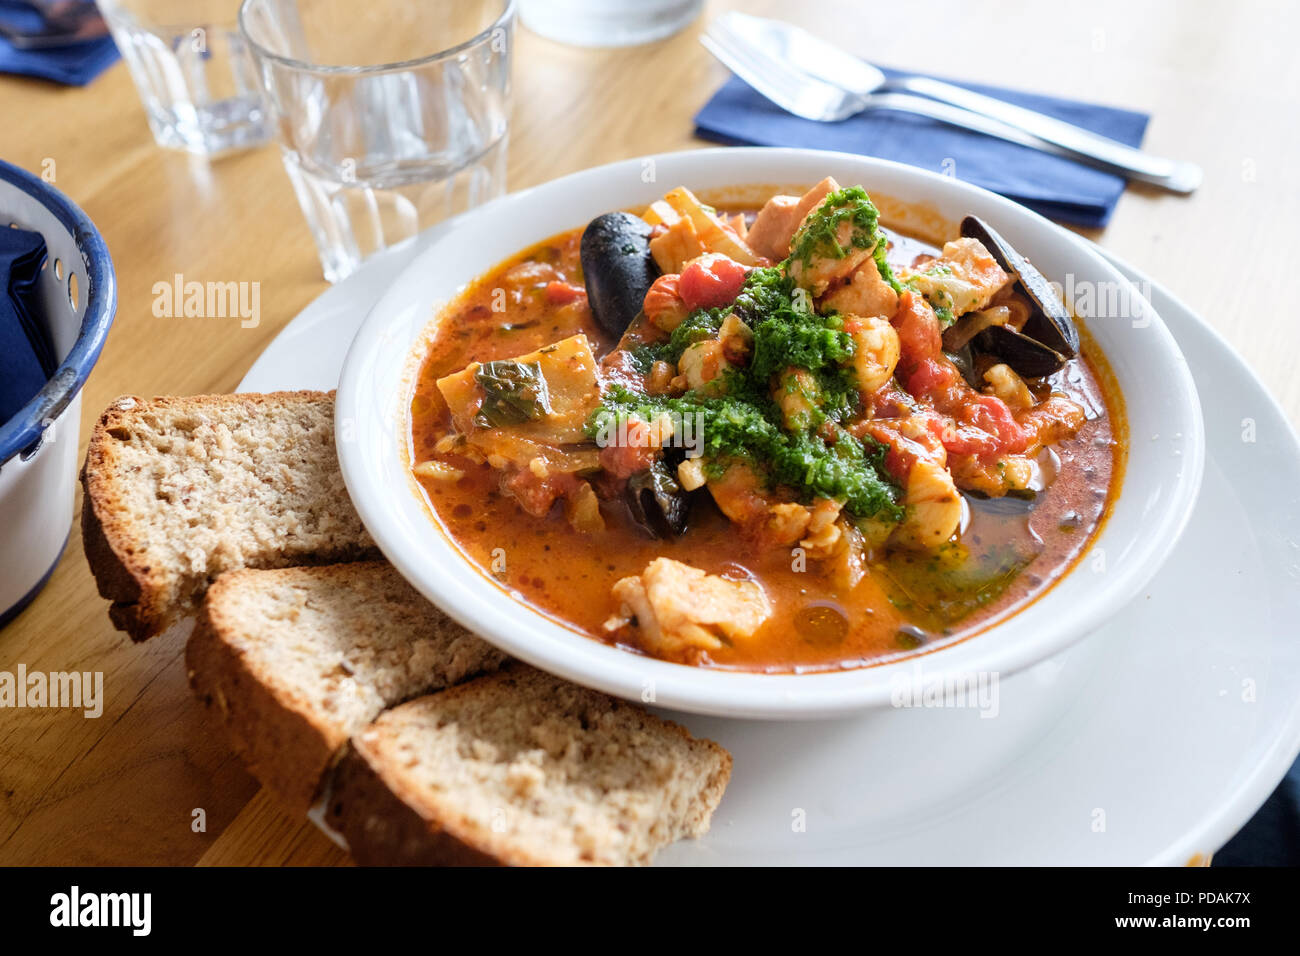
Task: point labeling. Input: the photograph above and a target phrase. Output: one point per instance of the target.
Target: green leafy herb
(819, 236)
(700, 325)
(749, 428)
(766, 292)
(516, 393)
(788, 334)
(802, 339)
(644, 357)
(882, 266)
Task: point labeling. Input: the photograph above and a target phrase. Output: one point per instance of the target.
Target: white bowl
(1165, 461)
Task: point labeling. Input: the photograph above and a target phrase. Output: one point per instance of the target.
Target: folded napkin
(1058, 188)
(27, 358)
(73, 65)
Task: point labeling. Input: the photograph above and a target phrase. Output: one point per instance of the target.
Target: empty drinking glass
(392, 115)
(196, 80)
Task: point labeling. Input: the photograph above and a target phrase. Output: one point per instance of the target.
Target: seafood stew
(780, 439)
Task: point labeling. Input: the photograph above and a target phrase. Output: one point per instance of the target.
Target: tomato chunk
(967, 440)
(536, 495)
(989, 413)
(711, 280)
(635, 453)
(930, 377)
(919, 335)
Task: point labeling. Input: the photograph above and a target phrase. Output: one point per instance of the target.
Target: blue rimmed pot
(38, 446)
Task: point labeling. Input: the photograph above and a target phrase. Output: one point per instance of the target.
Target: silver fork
(813, 98)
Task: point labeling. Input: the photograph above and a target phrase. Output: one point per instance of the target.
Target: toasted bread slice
(295, 661)
(179, 490)
(523, 768)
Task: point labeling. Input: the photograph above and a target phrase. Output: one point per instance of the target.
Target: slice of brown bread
(179, 490)
(298, 660)
(522, 768)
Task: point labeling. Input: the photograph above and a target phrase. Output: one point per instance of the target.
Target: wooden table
(124, 788)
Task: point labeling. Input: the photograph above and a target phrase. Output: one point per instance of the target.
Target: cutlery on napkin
(817, 80)
(30, 45)
(1052, 185)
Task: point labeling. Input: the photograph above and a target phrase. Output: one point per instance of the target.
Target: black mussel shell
(1050, 322)
(617, 267)
(657, 502)
(964, 359)
(1027, 356)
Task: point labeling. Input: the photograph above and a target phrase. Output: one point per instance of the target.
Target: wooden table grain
(149, 781)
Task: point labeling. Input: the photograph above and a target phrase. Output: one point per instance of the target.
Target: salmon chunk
(780, 218)
(776, 222)
(677, 607)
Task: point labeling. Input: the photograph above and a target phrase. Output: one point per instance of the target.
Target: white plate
(1148, 722)
(1160, 480)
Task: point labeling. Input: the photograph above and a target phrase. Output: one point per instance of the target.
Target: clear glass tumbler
(193, 71)
(392, 115)
(608, 22)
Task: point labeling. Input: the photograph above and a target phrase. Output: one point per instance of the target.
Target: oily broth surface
(906, 605)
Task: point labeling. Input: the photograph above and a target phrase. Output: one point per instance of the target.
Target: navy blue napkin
(1272, 837)
(73, 65)
(27, 359)
(1058, 188)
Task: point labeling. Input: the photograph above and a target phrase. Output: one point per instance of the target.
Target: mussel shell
(657, 502)
(964, 360)
(1049, 320)
(617, 267)
(1027, 356)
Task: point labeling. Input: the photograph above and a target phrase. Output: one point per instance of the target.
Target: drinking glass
(192, 69)
(608, 22)
(391, 115)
